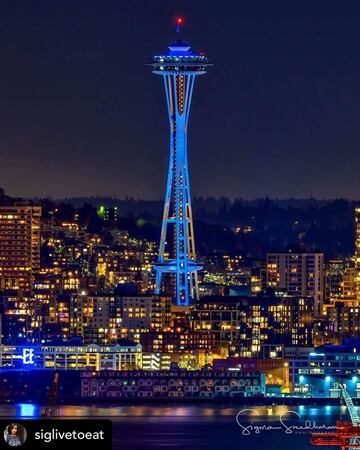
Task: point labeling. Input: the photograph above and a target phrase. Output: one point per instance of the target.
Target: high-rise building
(357, 253)
(299, 274)
(19, 243)
(334, 280)
(351, 273)
(179, 68)
(349, 284)
(344, 319)
(20, 318)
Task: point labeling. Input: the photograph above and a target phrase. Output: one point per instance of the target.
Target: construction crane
(51, 409)
(355, 419)
(347, 434)
(354, 416)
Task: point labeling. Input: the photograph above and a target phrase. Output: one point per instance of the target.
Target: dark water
(202, 427)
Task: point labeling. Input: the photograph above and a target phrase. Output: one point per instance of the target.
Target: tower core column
(178, 67)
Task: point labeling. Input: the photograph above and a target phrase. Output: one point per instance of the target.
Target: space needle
(177, 256)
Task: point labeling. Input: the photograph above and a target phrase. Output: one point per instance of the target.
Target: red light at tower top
(179, 22)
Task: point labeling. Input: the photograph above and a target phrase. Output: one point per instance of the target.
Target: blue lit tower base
(178, 67)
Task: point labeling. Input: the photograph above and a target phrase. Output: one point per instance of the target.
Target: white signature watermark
(306, 426)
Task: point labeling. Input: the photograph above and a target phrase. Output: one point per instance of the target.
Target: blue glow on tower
(178, 67)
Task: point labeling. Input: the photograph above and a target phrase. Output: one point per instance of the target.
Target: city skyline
(75, 90)
(108, 309)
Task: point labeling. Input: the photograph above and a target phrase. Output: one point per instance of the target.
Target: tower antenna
(179, 23)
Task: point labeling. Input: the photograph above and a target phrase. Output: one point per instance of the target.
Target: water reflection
(27, 410)
(194, 427)
(204, 412)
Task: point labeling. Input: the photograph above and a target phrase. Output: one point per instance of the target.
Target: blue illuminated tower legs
(178, 68)
(177, 208)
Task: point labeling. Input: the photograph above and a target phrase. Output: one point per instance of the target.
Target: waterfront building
(319, 371)
(71, 357)
(276, 370)
(177, 384)
(334, 360)
(297, 358)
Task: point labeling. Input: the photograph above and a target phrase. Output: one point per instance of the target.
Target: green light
(101, 212)
(140, 222)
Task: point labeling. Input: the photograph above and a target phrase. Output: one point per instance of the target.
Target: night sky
(277, 115)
